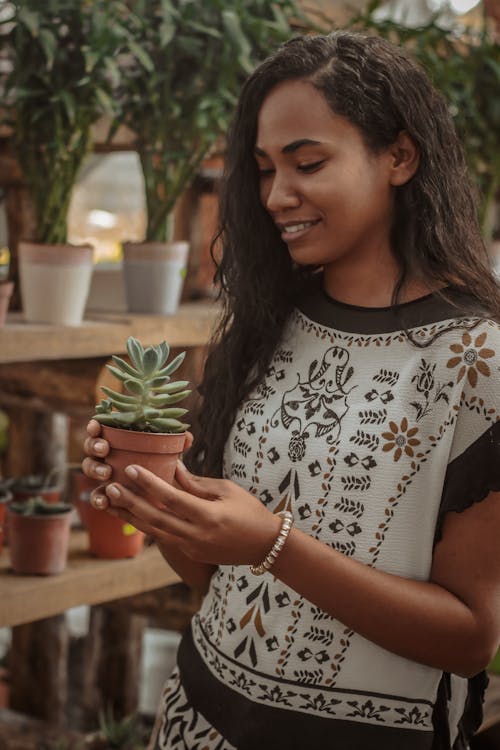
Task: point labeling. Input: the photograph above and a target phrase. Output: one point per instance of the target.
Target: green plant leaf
(117, 419)
(177, 385)
(150, 360)
(125, 366)
(173, 366)
(118, 397)
(162, 399)
(135, 352)
(168, 425)
(134, 387)
(141, 55)
(30, 19)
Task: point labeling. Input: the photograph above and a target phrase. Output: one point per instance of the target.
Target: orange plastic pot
(157, 452)
(38, 544)
(82, 489)
(110, 537)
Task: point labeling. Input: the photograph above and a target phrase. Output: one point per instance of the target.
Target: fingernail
(102, 471)
(99, 446)
(131, 472)
(113, 491)
(99, 502)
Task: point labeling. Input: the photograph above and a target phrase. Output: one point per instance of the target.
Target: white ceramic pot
(55, 282)
(154, 275)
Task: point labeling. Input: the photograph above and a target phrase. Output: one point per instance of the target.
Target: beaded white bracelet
(273, 553)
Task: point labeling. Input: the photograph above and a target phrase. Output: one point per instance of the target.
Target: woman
(353, 388)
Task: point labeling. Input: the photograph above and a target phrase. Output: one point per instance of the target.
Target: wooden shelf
(103, 334)
(86, 580)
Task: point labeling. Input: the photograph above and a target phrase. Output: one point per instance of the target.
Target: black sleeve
(471, 476)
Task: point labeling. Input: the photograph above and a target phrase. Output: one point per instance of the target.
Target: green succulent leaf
(150, 361)
(136, 352)
(173, 398)
(168, 425)
(117, 419)
(163, 353)
(157, 383)
(125, 366)
(123, 376)
(170, 387)
(172, 413)
(134, 386)
(150, 413)
(174, 364)
(117, 397)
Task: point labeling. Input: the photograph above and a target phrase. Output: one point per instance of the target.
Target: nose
(277, 194)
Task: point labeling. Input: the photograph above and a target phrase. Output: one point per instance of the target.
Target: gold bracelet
(273, 553)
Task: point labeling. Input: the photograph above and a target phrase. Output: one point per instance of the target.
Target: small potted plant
(142, 425)
(28, 485)
(38, 536)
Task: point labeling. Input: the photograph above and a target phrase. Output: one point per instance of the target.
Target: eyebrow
(290, 147)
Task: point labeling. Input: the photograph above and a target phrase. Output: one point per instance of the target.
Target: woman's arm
(451, 622)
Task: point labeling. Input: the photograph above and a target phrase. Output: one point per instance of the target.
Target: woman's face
(328, 194)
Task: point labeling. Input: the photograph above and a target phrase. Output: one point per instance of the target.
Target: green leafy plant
(120, 734)
(179, 84)
(37, 506)
(148, 404)
(464, 64)
(59, 73)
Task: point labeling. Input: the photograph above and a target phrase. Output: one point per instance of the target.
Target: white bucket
(55, 282)
(154, 275)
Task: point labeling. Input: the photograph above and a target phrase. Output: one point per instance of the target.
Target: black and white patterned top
(369, 440)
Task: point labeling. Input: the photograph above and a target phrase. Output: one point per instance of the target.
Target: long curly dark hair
(435, 233)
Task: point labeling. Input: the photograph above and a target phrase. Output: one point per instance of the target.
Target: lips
(293, 230)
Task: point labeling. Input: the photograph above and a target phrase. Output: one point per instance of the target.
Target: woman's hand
(94, 465)
(213, 520)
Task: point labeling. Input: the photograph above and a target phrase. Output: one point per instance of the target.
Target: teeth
(298, 227)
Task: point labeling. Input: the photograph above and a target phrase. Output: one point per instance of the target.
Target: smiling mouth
(294, 231)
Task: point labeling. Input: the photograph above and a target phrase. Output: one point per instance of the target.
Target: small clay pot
(110, 537)
(157, 452)
(23, 488)
(38, 544)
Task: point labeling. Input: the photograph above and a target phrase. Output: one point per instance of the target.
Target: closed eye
(311, 167)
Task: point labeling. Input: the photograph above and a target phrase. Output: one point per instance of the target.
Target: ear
(404, 159)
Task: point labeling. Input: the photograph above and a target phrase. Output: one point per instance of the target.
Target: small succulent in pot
(143, 425)
(38, 536)
(148, 405)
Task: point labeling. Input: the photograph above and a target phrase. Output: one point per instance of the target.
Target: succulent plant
(37, 506)
(148, 404)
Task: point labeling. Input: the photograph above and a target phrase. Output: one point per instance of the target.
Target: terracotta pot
(82, 489)
(110, 537)
(157, 452)
(21, 492)
(6, 289)
(55, 282)
(38, 544)
(5, 497)
(154, 274)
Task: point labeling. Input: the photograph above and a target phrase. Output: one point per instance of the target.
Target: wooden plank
(87, 580)
(105, 333)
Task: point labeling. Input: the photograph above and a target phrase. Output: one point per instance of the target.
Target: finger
(188, 442)
(160, 536)
(96, 447)
(204, 487)
(94, 428)
(157, 490)
(123, 499)
(96, 469)
(98, 499)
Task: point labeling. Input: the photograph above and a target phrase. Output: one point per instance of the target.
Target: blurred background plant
(56, 80)
(178, 84)
(464, 64)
